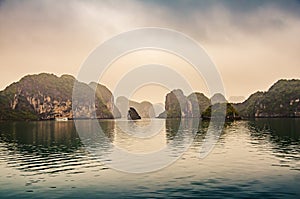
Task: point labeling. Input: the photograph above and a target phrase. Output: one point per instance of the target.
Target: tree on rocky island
(221, 110)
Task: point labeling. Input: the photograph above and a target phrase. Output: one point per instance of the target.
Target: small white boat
(61, 119)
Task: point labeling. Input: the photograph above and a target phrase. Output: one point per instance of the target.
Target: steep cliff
(46, 96)
(199, 103)
(177, 105)
(249, 106)
(281, 100)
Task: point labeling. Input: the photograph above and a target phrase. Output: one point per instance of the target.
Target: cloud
(253, 43)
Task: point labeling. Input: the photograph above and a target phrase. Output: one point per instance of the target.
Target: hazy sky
(253, 43)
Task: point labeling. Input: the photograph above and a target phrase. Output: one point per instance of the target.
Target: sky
(252, 43)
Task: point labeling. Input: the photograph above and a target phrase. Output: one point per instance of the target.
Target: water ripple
(249, 161)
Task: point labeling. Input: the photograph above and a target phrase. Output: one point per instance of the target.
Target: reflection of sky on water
(251, 159)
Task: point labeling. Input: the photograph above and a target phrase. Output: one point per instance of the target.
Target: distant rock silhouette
(133, 114)
(218, 98)
(145, 108)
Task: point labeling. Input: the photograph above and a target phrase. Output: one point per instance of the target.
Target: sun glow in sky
(152, 91)
(253, 43)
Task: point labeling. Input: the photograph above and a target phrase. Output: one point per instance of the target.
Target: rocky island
(281, 100)
(145, 108)
(197, 105)
(177, 105)
(133, 114)
(47, 96)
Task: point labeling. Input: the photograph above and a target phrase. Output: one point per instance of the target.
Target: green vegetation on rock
(281, 100)
(218, 111)
(46, 96)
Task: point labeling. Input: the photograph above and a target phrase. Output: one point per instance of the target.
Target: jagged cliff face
(281, 100)
(199, 103)
(145, 109)
(178, 105)
(46, 96)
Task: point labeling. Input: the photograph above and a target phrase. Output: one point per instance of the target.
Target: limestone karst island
(47, 97)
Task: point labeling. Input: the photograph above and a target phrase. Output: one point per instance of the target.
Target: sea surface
(250, 159)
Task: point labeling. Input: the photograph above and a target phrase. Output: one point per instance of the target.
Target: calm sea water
(259, 158)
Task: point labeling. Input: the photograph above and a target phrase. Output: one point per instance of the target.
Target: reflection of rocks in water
(137, 126)
(108, 128)
(177, 127)
(172, 127)
(280, 127)
(96, 134)
(193, 124)
(46, 134)
(43, 147)
(40, 147)
(199, 127)
(283, 133)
